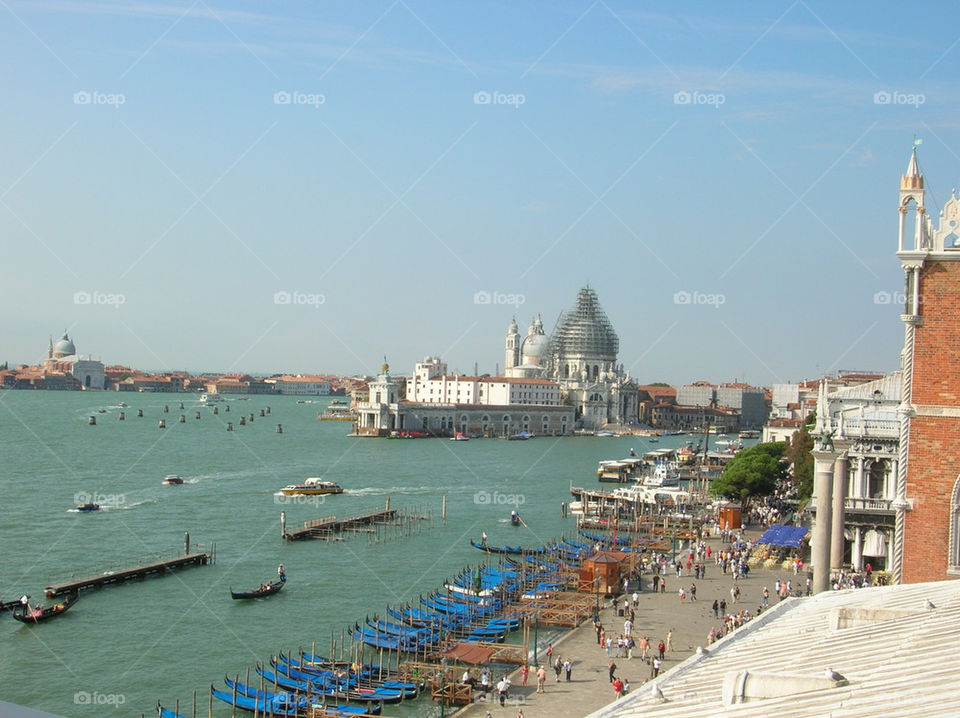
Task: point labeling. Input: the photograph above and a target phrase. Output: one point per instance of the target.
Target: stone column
(840, 477)
(823, 493)
(857, 553)
(861, 491)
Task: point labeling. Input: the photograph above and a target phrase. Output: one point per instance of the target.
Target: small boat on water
(84, 508)
(515, 519)
(171, 480)
(604, 434)
(313, 486)
(460, 436)
(266, 589)
(23, 613)
(520, 436)
(211, 398)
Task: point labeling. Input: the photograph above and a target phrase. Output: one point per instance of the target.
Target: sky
(312, 187)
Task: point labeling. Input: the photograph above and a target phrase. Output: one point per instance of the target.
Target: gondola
(25, 614)
(513, 550)
(271, 588)
(341, 709)
(167, 713)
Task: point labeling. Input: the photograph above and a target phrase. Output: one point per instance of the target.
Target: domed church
(580, 355)
(62, 357)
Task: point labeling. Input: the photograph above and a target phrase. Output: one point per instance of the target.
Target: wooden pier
(330, 527)
(379, 526)
(141, 571)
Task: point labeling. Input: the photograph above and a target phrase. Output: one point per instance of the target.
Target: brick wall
(934, 454)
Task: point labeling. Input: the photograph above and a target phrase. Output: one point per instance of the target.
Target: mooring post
(283, 523)
(443, 509)
(186, 543)
(388, 503)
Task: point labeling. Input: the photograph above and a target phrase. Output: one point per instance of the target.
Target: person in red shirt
(618, 687)
(661, 647)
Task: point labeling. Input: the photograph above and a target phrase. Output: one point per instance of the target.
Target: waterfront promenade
(656, 615)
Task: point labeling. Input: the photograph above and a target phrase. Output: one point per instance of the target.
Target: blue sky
(157, 193)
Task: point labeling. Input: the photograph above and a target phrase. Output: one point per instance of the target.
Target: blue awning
(777, 535)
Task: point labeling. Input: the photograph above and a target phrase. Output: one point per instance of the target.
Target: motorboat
(211, 398)
(460, 436)
(84, 508)
(171, 480)
(312, 487)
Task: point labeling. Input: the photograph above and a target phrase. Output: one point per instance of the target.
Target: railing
(858, 504)
(871, 427)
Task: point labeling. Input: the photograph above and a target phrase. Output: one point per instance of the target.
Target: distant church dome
(64, 347)
(586, 331)
(536, 344)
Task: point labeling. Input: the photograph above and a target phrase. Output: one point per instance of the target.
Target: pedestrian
(716, 608)
(630, 645)
(644, 647)
(602, 637)
(541, 678)
(766, 596)
(636, 599)
(524, 672)
(557, 667)
(609, 647)
(682, 593)
(567, 667)
(663, 585)
(656, 582)
(549, 651)
(655, 667)
(669, 640)
(618, 688)
(502, 691)
(693, 592)
(723, 607)
(619, 646)
(612, 669)
(626, 686)
(661, 647)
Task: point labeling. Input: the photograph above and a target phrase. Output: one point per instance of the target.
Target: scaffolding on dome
(584, 330)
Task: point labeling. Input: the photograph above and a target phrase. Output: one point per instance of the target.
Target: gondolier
(280, 572)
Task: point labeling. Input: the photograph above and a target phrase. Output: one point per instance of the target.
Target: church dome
(64, 347)
(586, 331)
(534, 348)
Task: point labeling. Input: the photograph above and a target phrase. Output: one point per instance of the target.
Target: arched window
(953, 559)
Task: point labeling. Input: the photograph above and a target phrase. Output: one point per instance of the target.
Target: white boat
(604, 434)
(663, 474)
(312, 487)
(171, 480)
(211, 398)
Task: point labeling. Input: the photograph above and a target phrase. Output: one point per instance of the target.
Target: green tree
(751, 473)
(798, 455)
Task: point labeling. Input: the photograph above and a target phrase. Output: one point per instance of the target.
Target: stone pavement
(656, 614)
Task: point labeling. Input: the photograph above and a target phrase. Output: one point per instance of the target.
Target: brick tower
(926, 545)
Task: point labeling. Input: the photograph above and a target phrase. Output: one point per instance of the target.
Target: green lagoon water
(167, 637)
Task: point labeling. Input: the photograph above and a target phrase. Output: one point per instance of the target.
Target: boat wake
(410, 490)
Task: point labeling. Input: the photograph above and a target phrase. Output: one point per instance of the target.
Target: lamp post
(536, 634)
(596, 606)
(443, 678)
